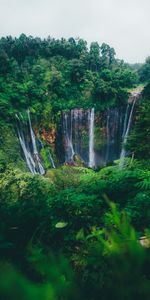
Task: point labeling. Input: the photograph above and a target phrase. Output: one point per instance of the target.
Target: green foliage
(138, 142)
(56, 279)
(68, 213)
(51, 75)
(112, 261)
(9, 148)
(63, 73)
(108, 261)
(144, 71)
(45, 157)
(34, 205)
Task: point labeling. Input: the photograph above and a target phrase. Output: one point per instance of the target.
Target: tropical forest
(74, 171)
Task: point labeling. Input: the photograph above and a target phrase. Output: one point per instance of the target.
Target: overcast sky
(123, 24)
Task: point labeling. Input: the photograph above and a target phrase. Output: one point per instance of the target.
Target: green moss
(45, 152)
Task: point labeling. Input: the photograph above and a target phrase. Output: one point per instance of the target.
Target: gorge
(97, 139)
(74, 171)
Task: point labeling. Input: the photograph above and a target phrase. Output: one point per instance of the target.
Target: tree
(107, 55)
(144, 71)
(139, 140)
(94, 57)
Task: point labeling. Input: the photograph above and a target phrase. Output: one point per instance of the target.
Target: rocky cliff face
(105, 131)
(85, 136)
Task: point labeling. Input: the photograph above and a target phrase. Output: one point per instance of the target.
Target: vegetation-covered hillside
(51, 75)
(74, 233)
(60, 74)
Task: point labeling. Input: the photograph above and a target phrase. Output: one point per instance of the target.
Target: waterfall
(74, 113)
(91, 139)
(69, 150)
(112, 124)
(71, 129)
(28, 157)
(52, 161)
(49, 156)
(76, 122)
(35, 151)
(109, 130)
(76, 134)
(108, 137)
(32, 158)
(126, 130)
(125, 121)
(80, 126)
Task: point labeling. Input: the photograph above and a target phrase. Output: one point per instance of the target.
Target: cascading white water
(71, 131)
(49, 156)
(35, 151)
(32, 157)
(52, 161)
(108, 137)
(29, 160)
(91, 139)
(125, 122)
(68, 139)
(127, 126)
(76, 121)
(76, 127)
(74, 114)
(78, 137)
